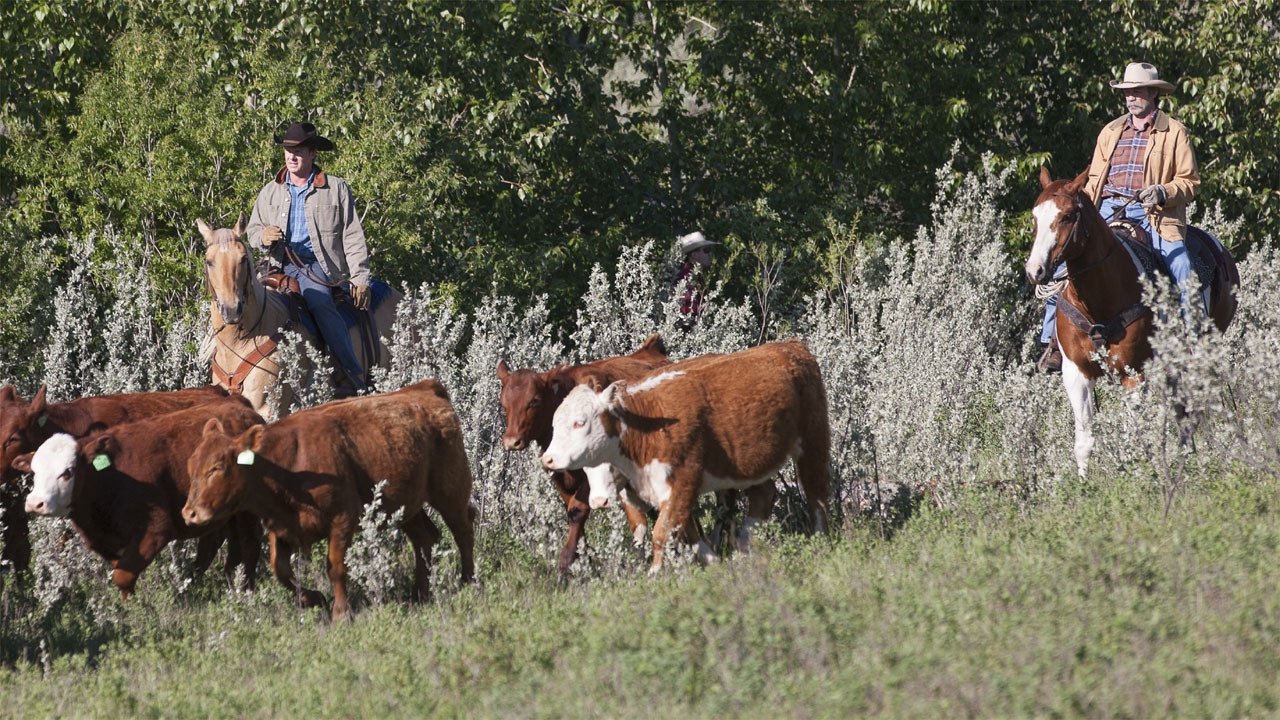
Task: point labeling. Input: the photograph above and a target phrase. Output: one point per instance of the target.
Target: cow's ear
(612, 397)
(8, 394)
(22, 463)
(96, 428)
(1044, 177)
(38, 403)
(252, 438)
(503, 371)
(214, 425)
(561, 385)
(105, 444)
(593, 382)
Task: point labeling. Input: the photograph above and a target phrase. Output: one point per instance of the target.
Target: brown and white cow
(25, 425)
(530, 398)
(124, 487)
(309, 476)
(706, 424)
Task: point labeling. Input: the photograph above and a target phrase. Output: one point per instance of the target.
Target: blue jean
(333, 328)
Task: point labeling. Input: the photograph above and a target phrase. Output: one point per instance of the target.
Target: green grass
(1088, 602)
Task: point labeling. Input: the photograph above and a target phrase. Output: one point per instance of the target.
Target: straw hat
(1142, 75)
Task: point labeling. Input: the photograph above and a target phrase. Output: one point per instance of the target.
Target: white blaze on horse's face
(53, 466)
(578, 435)
(1046, 215)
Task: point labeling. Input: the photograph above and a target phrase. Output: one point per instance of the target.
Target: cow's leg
(135, 558)
(760, 499)
(674, 514)
(423, 536)
(575, 491)
(207, 549)
(1080, 394)
(339, 539)
(461, 524)
(243, 549)
(811, 471)
(282, 567)
(17, 532)
(637, 519)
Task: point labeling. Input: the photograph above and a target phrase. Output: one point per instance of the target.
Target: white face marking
(655, 381)
(578, 436)
(53, 466)
(1045, 214)
(604, 486)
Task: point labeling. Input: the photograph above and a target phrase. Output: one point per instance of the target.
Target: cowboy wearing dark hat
(313, 216)
(1143, 169)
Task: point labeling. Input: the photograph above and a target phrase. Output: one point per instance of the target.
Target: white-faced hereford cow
(706, 424)
(530, 398)
(310, 475)
(24, 425)
(124, 487)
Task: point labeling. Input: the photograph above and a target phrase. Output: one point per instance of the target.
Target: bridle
(1077, 209)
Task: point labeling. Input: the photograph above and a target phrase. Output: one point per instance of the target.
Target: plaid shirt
(297, 235)
(1125, 176)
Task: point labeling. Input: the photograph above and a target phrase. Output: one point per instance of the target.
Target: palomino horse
(247, 322)
(1101, 304)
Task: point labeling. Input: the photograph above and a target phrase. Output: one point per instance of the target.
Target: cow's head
(529, 400)
(604, 482)
(53, 466)
(584, 432)
(220, 469)
(20, 425)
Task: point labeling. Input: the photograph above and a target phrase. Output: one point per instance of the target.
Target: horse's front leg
(1080, 394)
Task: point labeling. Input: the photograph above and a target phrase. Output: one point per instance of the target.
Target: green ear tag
(245, 458)
(101, 462)
(40, 421)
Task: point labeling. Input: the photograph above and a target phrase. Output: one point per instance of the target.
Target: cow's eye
(579, 424)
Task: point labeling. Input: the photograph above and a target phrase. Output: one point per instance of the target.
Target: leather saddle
(1212, 264)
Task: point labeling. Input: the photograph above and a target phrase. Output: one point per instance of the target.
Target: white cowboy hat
(1142, 75)
(694, 241)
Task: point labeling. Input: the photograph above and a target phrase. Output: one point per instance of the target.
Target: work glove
(360, 296)
(270, 234)
(1151, 195)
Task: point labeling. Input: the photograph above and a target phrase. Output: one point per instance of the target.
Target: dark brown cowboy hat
(302, 134)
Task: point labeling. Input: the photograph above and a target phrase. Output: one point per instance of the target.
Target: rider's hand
(1151, 195)
(360, 296)
(270, 234)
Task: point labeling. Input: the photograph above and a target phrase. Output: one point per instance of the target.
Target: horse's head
(1056, 214)
(228, 269)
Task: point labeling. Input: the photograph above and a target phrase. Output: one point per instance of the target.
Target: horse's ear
(1044, 177)
(238, 229)
(1080, 180)
(205, 230)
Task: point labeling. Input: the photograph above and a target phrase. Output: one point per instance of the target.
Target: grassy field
(1086, 602)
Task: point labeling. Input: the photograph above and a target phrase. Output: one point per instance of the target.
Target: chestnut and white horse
(1101, 305)
(247, 322)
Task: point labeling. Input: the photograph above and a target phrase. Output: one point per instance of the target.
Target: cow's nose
(35, 506)
(548, 462)
(513, 443)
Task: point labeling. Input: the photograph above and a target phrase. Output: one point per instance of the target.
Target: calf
(310, 475)
(25, 425)
(124, 488)
(530, 399)
(711, 423)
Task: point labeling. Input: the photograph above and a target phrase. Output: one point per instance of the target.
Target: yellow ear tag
(245, 458)
(101, 462)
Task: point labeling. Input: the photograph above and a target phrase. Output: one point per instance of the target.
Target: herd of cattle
(136, 471)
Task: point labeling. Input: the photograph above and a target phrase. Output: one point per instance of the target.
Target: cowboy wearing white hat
(1143, 168)
(692, 274)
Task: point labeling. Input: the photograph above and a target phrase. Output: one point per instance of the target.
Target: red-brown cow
(124, 488)
(530, 399)
(25, 425)
(310, 475)
(706, 424)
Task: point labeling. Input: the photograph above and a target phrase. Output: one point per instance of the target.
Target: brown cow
(706, 424)
(25, 425)
(310, 475)
(124, 488)
(530, 400)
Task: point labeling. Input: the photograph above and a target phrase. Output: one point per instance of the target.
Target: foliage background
(520, 143)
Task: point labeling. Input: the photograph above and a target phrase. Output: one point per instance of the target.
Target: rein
(1075, 230)
(234, 381)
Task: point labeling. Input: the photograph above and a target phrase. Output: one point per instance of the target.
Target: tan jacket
(332, 223)
(1169, 161)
